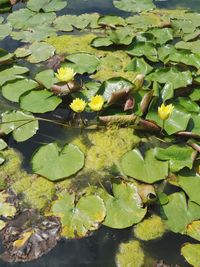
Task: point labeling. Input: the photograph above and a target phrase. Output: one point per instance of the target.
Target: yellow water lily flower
(78, 105)
(96, 102)
(165, 111)
(65, 74)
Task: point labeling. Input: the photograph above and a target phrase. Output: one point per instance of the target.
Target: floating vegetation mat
(125, 93)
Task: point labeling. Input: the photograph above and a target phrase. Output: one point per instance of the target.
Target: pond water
(99, 250)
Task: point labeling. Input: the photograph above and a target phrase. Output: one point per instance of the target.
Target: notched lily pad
(191, 252)
(80, 217)
(146, 169)
(55, 163)
(124, 208)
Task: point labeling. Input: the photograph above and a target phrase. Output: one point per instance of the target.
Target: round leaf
(56, 163)
(39, 101)
(148, 169)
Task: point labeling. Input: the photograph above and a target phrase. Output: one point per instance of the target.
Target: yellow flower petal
(165, 111)
(65, 74)
(78, 105)
(96, 103)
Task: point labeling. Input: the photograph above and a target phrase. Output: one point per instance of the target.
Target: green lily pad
(193, 230)
(46, 5)
(46, 78)
(191, 252)
(79, 219)
(111, 21)
(3, 144)
(101, 41)
(39, 101)
(115, 88)
(146, 49)
(177, 155)
(14, 89)
(56, 163)
(37, 34)
(124, 208)
(130, 255)
(139, 65)
(134, 5)
(163, 76)
(5, 30)
(22, 125)
(162, 36)
(173, 124)
(83, 63)
(191, 46)
(5, 56)
(190, 184)
(12, 73)
(177, 213)
(37, 52)
(146, 169)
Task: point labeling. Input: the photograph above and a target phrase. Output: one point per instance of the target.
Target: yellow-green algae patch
(149, 229)
(37, 192)
(70, 44)
(130, 255)
(10, 170)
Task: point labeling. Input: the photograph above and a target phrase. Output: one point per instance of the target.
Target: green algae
(10, 170)
(37, 192)
(130, 255)
(149, 229)
(69, 44)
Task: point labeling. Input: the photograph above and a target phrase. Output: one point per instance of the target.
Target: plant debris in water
(130, 87)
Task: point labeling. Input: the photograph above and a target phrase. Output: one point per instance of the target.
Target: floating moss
(130, 255)
(40, 193)
(73, 44)
(149, 229)
(22, 185)
(11, 170)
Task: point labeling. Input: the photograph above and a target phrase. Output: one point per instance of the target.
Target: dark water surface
(99, 250)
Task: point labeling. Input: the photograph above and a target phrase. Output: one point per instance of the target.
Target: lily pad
(193, 230)
(46, 5)
(146, 169)
(37, 52)
(115, 88)
(5, 30)
(55, 163)
(3, 144)
(14, 89)
(134, 5)
(177, 155)
(46, 78)
(39, 101)
(191, 252)
(139, 65)
(22, 125)
(190, 184)
(5, 57)
(83, 63)
(124, 208)
(12, 73)
(79, 218)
